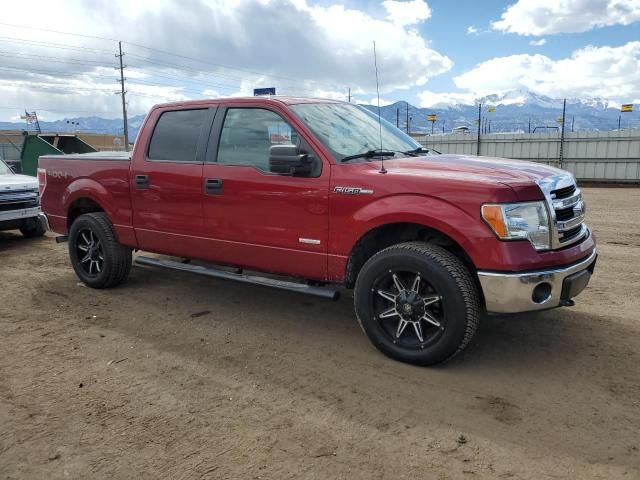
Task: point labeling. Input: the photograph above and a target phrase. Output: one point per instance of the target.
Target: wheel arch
(85, 195)
(388, 234)
(80, 206)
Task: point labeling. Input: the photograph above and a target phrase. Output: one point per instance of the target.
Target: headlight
(519, 221)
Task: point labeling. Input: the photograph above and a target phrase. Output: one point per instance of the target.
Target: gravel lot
(181, 377)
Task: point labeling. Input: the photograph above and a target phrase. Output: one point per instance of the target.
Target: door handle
(142, 182)
(213, 186)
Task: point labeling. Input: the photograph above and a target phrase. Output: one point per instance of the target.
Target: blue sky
(447, 31)
(431, 52)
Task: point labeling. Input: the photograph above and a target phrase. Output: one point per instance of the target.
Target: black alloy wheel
(417, 303)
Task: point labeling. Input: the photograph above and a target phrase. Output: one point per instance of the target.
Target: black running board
(322, 292)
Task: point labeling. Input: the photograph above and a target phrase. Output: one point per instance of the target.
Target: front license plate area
(574, 284)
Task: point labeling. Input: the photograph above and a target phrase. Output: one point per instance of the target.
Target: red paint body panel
(104, 182)
(259, 219)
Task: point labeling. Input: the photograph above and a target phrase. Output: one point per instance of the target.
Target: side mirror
(287, 160)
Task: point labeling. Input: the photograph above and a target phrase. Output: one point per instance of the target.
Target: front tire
(97, 257)
(33, 227)
(417, 303)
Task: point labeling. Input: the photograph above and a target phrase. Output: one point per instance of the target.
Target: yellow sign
(491, 109)
(431, 117)
(627, 107)
(559, 119)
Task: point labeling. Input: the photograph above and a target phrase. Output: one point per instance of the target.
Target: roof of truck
(282, 99)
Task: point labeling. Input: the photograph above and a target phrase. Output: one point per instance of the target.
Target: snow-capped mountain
(517, 110)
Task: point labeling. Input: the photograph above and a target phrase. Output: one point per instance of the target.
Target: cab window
(248, 134)
(176, 136)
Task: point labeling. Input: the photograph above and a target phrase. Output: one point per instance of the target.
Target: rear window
(176, 135)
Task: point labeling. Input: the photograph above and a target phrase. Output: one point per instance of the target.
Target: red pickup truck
(319, 191)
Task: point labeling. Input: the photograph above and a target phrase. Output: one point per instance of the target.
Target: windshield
(4, 169)
(350, 129)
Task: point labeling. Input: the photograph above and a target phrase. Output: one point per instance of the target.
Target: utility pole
(349, 94)
(573, 120)
(479, 125)
(397, 118)
(564, 111)
(123, 93)
(443, 122)
(619, 119)
(529, 124)
(407, 117)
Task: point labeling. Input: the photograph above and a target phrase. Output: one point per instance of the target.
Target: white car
(20, 203)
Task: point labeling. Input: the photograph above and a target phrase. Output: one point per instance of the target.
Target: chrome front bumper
(535, 290)
(20, 214)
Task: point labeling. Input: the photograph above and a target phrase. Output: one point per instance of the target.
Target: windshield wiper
(418, 150)
(369, 154)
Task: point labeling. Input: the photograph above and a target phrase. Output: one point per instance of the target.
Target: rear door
(257, 219)
(166, 181)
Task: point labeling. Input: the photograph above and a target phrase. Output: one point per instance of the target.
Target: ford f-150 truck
(325, 193)
(20, 203)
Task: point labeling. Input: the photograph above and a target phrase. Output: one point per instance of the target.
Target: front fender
(453, 220)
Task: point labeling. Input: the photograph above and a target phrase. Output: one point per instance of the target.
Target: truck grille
(567, 210)
(564, 192)
(18, 200)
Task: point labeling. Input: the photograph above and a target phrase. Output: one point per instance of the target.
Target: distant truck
(20, 203)
(428, 242)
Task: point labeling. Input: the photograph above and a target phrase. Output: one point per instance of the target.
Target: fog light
(541, 293)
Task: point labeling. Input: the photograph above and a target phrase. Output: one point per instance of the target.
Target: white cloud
(438, 99)
(211, 93)
(546, 17)
(538, 43)
(374, 101)
(299, 48)
(407, 12)
(471, 30)
(606, 72)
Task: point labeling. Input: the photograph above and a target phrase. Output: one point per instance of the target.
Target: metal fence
(590, 156)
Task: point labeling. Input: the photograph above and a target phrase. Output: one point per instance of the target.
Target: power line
(55, 110)
(76, 61)
(55, 73)
(165, 52)
(63, 46)
(56, 31)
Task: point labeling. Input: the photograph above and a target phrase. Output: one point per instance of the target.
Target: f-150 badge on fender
(353, 191)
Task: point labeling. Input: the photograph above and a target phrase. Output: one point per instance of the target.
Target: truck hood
(17, 182)
(485, 169)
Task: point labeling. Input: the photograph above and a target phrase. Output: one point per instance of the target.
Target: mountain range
(515, 111)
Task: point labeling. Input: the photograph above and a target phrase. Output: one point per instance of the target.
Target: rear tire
(97, 257)
(33, 227)
(417, 303)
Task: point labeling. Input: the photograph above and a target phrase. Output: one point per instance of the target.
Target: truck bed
(118, 156)
(102, 177)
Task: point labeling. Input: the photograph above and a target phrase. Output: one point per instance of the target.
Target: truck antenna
(375, 62)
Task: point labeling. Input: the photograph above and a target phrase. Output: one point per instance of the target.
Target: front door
(166, 182)
(254, 218)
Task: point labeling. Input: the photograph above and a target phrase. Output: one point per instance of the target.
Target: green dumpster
(49, 144)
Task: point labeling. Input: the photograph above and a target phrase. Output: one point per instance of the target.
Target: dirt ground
(174, 376)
